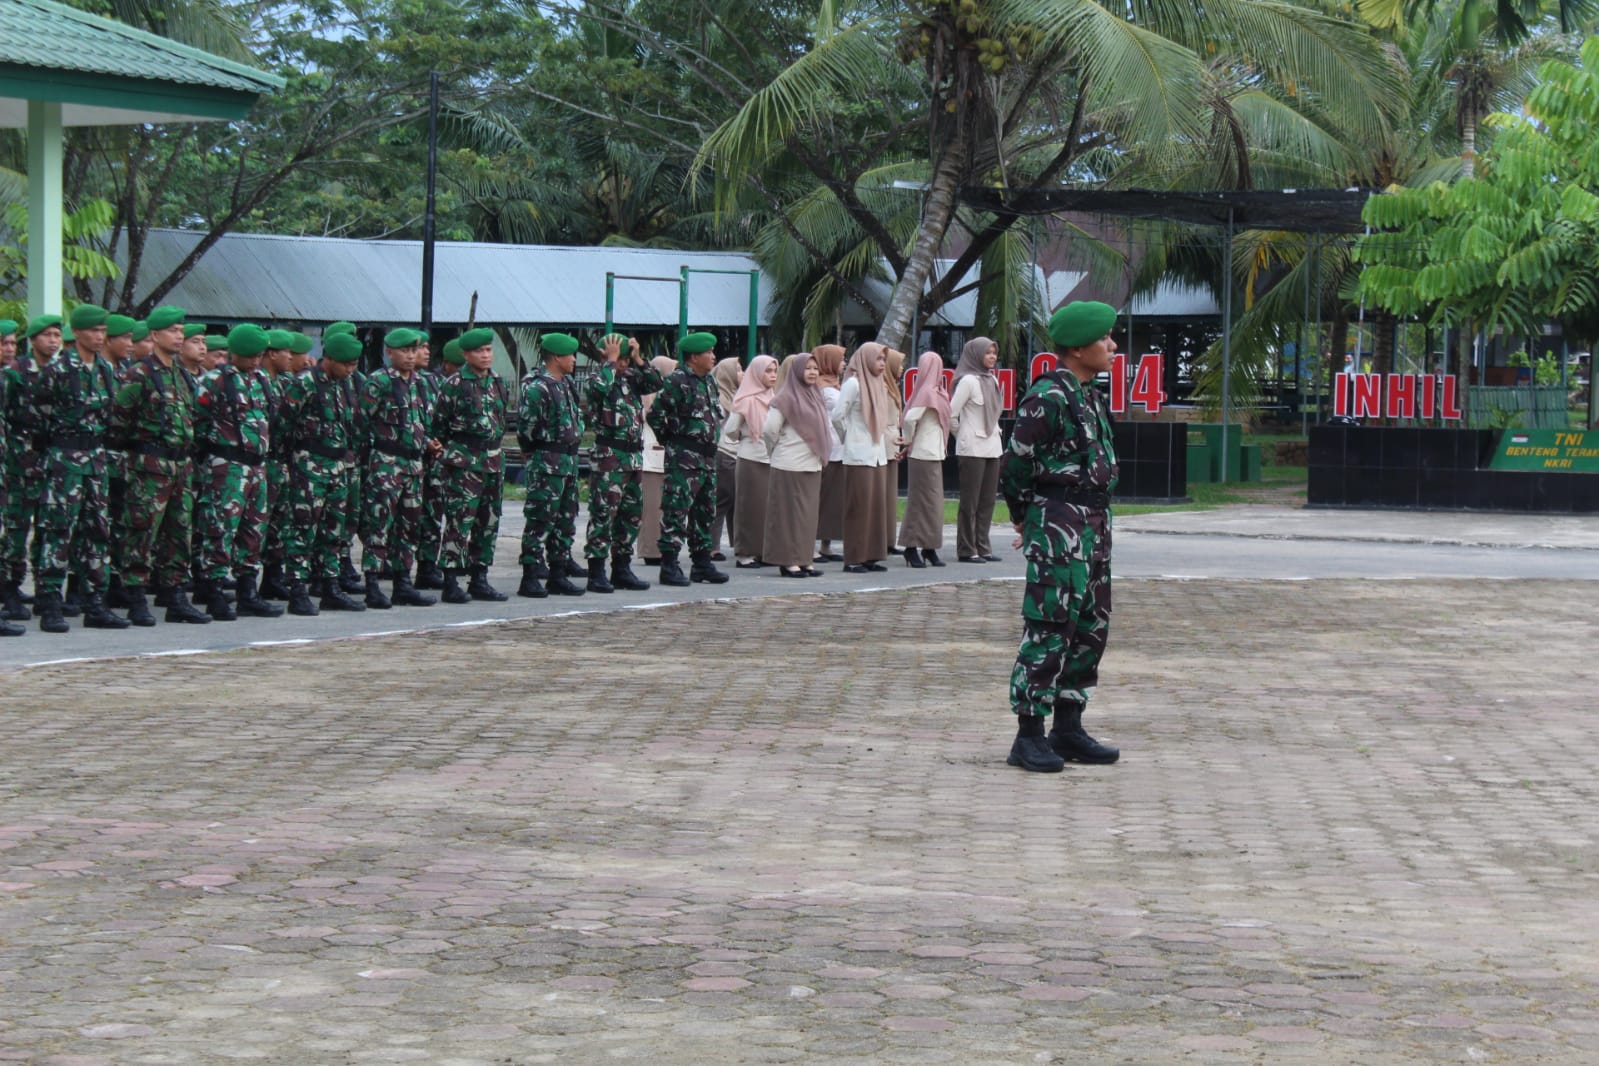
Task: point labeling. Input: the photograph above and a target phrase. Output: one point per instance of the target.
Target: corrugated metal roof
(262, 277)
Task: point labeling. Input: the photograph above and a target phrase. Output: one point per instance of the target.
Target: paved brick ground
(1356, 823)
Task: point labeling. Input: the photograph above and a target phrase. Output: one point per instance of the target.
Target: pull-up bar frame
(681, 282)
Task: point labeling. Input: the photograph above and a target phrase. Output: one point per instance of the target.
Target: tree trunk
(1468, 147)
(937, 213)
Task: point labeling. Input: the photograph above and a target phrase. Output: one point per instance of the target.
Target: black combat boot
(138, 607)
(406, 595)
(1066, 736)
(453, 592)
(179, 609)
(274, 585)
(250, 602)
(97, 616)
(559, 584)
(597, 580)
(334, 598)
(375, 598)
(72, 602)
(48, 607)
(163, 597)
(671, 573)
(705, 570)
(116, 593)
(349, 577)
(572, 567)
(531, 585)
(479, 588)
(215, 598)
(622, 576)
(429, 576)
(1031, 751)
(10, 629)
(300, 600)
(14, 610)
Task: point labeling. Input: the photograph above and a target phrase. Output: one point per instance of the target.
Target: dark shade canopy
(1298, 210)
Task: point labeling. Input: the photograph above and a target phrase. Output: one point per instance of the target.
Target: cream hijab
(870, 363)
(971, 362)
(829, 365)
(727, 376)
(803, 408)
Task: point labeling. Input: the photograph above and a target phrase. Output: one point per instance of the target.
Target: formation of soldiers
(145, 462)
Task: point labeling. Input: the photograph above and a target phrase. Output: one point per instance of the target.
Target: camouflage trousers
(688, 507)
(427, 546)
(278, 510)
(234, 517)
(319, 508)
(469, 516)
(117, 507)
(616, 506)
(391, 514)
(24, 478)
(550, 517)
(1066, 620)
(160, 510)
(355, 479)
(74, 526)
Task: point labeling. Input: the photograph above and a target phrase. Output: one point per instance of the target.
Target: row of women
(809, 457)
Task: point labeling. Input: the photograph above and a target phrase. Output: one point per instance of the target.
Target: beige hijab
(727, 375)
(892, 376)
(803, 407)
(870, 363)
(829, 365)
(971, 362)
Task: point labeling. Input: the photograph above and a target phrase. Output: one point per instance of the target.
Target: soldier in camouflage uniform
(118, 352)
(686, 417)
(469, 422)
(428, 574)
(349, 577)
(8, 358)
(284, 348)
(615, 394)
(1057, 478)
(71, 400)
(154, 419)
(549, 427)
(23, 462)
(318, 419)
(234, 429)
(394, 421)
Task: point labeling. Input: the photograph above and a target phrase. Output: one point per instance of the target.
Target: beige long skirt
(924, 506)
(749, 509)
(830, 513)
(792, 497)
(865, 529)
(649, 528)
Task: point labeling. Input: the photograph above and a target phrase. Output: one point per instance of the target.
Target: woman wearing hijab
(893, 374)
(798, 437)
(926, 427)
(830, 513)
(861, 421)
(727, 376)
(974, 411)
(653, 475)
(743, 429)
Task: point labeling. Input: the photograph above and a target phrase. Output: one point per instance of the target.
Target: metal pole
(682, 305)
(755, 311)
(1226, 342)
(1299, 376)
(610, 302)
(428, 211)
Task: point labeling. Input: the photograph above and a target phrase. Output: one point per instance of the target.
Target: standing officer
(428, 574)
(8, 356)
(615, 394)
(284, 350)
(1057, 478)
(469, 429)
(549, 427)
(394, 420)
(686, 418)
(349, 578)
(24, 458)
(154, 419)
(122, 344)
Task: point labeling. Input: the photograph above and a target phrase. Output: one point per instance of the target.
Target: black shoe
(561, 585)
(672, 574)
(48, 607)
(116, 594)
(216, 601)
(139, 608)
(811, 571)
(597, 579)
(334, 598)
(531, 587)
(250, 602)
(718, 557)
(10, 629)
(622, 576)
(406, 595)
(706, 571)
(300, 600)
(453, 592)
(375, 598)
(973, 559)
(14, 610)
(72, 601)
(1035, 754)
(856, 568)
(753, 564)
(990, 558)
(429, 576)
(877, 568)
(913, 558)
(349, 577)
(96, 615)
(23, 594)
(930, 557)
(784, 571)
(480, 589)
(1069, 741)
(573, 568)
(829, 557)
(179, 609)
(274, 586)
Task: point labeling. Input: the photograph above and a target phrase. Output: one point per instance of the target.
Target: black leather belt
(234, 454)
(1094, 499)
(176, 455)
(705, 448)
(475, 440)
(338, 455)
(617, 444)
(78, 443)
(552, 446)
(397, 450)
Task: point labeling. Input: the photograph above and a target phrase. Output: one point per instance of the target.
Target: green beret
(66, 334)
(339, 327)
(452, 352)
(43, 322)
(473, 339)
(118, 325)
(215, 342)
(88, 316)
(163, 317)
(341, 347)
(1081, 322)
(141, 330)
(401, 338)
(8, 326)
(193, 329)
(248, 340)
(695, 343)
(300, 344)
(558, 343)
(281, 339)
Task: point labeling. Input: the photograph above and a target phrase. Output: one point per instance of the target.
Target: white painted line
(279, 643)
(60, 662)
(179, 652)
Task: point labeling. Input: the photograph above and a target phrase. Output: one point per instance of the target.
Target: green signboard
(1548, 450)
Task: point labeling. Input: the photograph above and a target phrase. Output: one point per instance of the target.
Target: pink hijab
(931, 391)
(870, 364)
(753, 397)
(803, 408)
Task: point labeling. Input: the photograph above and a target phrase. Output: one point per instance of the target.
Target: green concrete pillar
(44, 208)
